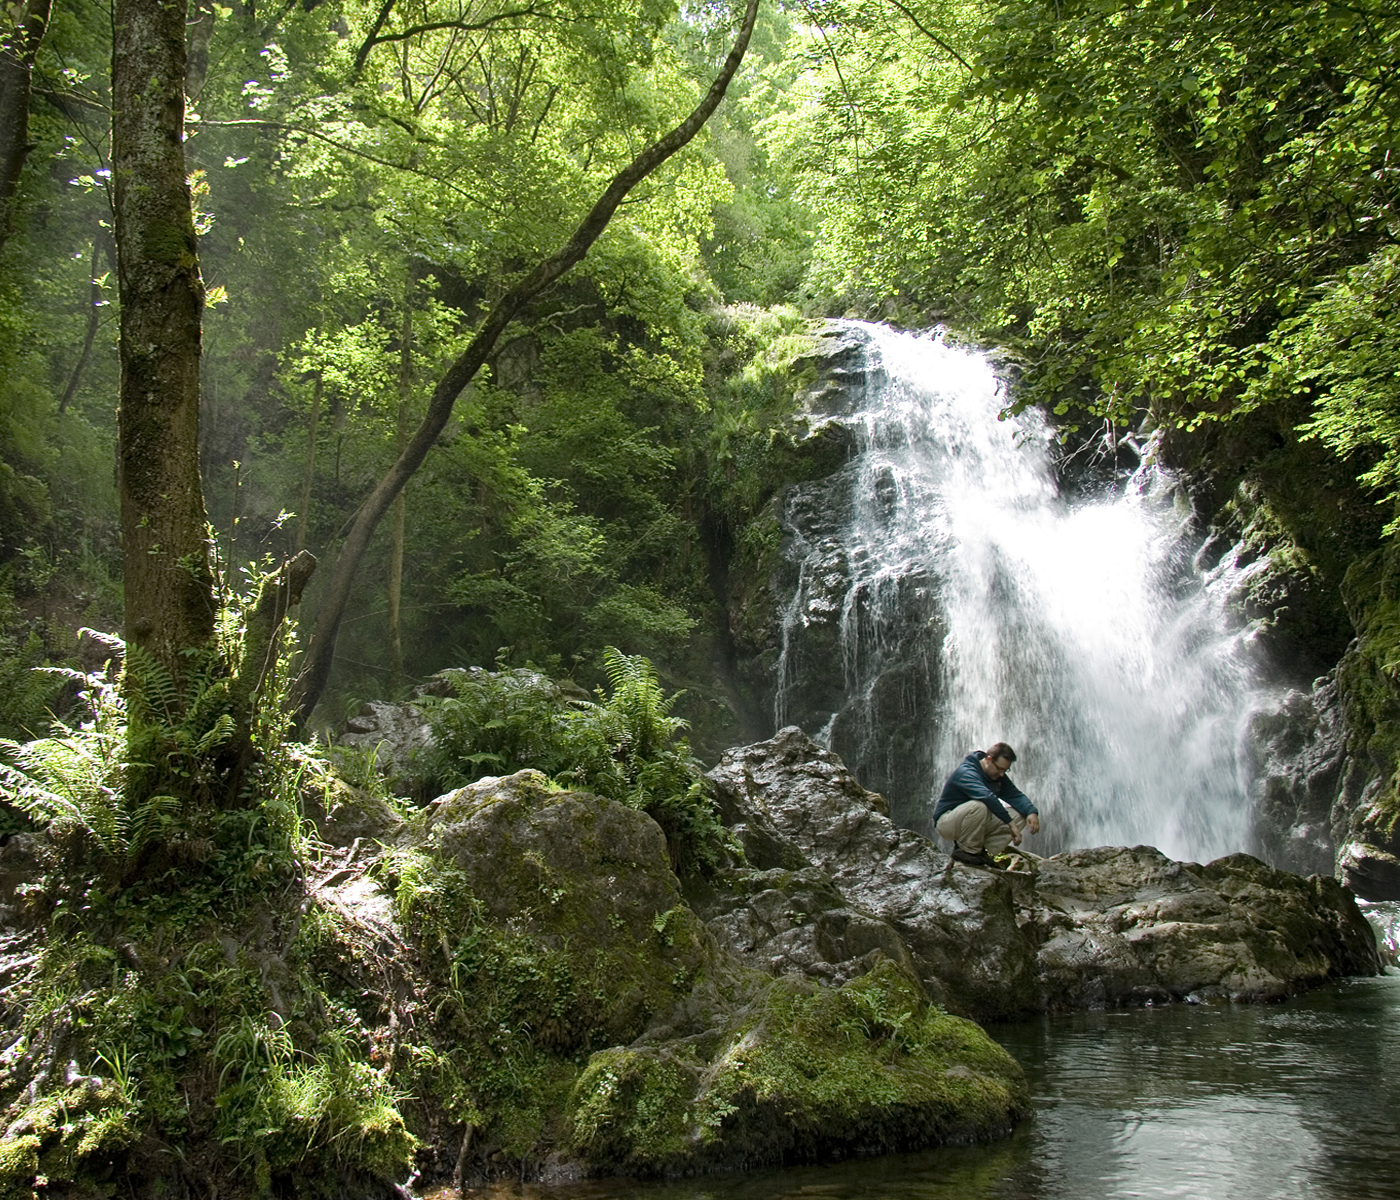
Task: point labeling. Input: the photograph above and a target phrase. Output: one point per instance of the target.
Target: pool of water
(1294, 1101)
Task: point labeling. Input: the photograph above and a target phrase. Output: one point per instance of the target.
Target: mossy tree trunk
(21, 32)
(169, 599)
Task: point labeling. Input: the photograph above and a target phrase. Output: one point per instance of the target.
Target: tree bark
(169, 587)
(400, 503)
(20, 37)
(201, 33)
(320, 653)
(308, 471)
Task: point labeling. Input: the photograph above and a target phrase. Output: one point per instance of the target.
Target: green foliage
(625, 746)
(170, 962)
(26, 687)
(1146, 201)
(319, 1117)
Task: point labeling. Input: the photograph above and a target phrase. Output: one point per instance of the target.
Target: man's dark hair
(1002, 751)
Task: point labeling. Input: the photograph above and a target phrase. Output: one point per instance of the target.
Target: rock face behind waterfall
(832, 883)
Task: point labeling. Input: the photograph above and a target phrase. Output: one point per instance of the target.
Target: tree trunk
(308, 472)
(201, 33)
(101, 241)
(20, 36)
(320, 653)
(400, 504)
(168, 579)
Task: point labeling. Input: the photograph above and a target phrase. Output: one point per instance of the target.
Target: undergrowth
(164, 1026)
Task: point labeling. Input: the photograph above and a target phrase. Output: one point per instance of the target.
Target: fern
(641, 704)
(26, 686)
(73, 777)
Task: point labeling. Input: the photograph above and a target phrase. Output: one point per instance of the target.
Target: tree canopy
(1168, 207)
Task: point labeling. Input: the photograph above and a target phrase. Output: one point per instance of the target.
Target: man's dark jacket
(970, 782)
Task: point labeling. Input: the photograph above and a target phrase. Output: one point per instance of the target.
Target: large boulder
(1103, 927)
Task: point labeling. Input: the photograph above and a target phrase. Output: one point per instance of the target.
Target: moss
(554, 965)
(64, 1135)
(807, 1073)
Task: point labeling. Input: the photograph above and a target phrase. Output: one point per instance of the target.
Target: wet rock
(1296, 761)
(1109, 926)
(1120, 925)
(798, 921)
(1369, 861)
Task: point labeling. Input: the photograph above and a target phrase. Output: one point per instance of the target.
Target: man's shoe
(980, 859)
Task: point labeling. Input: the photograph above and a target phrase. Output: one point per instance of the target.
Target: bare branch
(933, 37)
(375, 39)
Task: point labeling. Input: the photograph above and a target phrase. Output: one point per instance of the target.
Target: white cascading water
(1074, 630)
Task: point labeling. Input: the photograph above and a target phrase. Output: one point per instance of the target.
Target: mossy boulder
(805, 1072)
(579, 891)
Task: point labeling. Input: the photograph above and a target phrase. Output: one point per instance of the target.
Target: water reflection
(1299, 1101)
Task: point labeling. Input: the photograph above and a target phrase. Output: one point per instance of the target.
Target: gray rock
(1369, 871)
(1297, 758)
(1109, 926)
(396, 734)
(797, 921)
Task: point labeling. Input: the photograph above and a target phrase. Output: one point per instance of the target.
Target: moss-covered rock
(571, 1014)
(805, 1073)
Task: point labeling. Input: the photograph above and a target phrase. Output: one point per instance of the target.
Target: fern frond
(153, 815)
(36, 800)
(221, 732)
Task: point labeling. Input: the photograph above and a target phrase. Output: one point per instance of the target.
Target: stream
(1292, 1101)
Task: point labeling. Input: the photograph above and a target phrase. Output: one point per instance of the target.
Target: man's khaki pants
(973, 826)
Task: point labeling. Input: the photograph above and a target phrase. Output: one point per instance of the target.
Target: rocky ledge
(831, 884)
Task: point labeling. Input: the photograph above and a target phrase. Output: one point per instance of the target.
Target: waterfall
(945, 595)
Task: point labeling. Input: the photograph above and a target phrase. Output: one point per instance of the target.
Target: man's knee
(999, 840)
(967, 825)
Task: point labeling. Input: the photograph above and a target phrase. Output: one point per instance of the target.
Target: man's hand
(1015, 837)
(1032, 823)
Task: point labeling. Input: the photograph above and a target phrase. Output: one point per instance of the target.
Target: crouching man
(971, 813)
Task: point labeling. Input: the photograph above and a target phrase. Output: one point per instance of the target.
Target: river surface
(1293, 1101)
